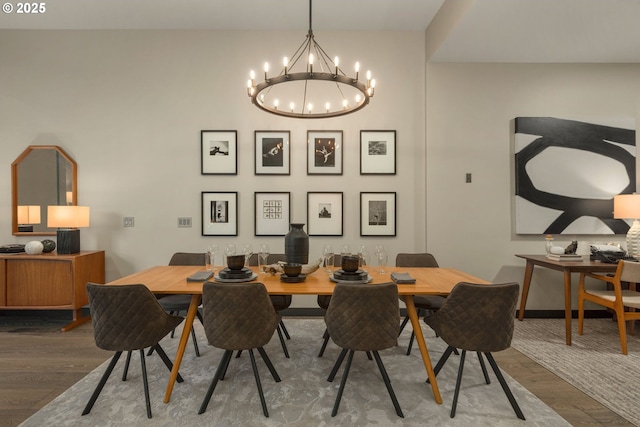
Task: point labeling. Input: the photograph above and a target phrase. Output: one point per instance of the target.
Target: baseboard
(559, 314)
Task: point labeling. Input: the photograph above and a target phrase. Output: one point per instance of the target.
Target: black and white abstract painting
(567, 173)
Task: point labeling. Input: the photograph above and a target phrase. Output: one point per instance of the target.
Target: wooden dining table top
(173, 280)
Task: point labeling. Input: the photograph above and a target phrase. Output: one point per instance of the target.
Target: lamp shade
(626, 206)
(29, 214)
(68, 216)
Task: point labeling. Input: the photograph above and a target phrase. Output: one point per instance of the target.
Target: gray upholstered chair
(615, 299)
(238, 316)
(424, 303)
(127, 318)
(363, 317)
(280, 302)
(176, 304)
(477, 318)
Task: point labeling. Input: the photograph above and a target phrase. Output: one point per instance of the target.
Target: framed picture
(220, 213)
(324, 152)
(377, 152)
(272, 213)
(272, 152)
(377, 214)
(324, 214)
(219, 152)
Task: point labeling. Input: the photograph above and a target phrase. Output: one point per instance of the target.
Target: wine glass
(247, 250)
(263, 256)
(212, 251)
(230, 250)
(327, 253)
(382, 261)
(363, 254)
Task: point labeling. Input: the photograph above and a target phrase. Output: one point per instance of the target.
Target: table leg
(528, 273)
(415, 322)
(182, 345)
(567, 305)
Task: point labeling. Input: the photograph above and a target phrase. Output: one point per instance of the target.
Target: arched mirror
(43, 175)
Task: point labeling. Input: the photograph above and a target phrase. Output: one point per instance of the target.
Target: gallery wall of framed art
(272, 158)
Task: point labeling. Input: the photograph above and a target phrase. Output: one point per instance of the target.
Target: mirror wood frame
(14, 187)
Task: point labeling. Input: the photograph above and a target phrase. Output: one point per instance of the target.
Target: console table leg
(78, 319)
(528, 273)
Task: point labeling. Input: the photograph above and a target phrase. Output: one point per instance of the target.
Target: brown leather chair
(480, 318)
(617, 299)
(238, 316)
(361, 317)
(127, 318)
(424, 303)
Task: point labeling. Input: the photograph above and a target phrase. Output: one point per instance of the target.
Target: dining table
(172, 280)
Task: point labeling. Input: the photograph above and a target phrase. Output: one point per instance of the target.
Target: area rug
(303, 398)
(593, 363)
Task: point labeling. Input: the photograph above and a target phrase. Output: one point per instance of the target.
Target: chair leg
(504, 385)
(458, 381)
(284, 330)
(222, 367)
(166, 360)
(325, 341)
(442, 361)
(336, 366)
(284, 344)
(267, 362)
(126, 366)
(413, 336)
(484, 368)
(145, 382)
(255, 374)
(403, 324)
(195, 342)
(102, 382)
(622, 329)
(387, 382)
(336, 405)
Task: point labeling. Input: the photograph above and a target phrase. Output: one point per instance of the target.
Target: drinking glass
(263, 256)
(382, 261)
(210, 257)
(327, 253)
(346, 250)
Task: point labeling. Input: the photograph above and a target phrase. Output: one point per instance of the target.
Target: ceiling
(487, 31)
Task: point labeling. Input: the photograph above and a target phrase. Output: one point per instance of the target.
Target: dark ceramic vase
(296, 244)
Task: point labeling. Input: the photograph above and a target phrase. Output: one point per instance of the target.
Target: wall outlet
(184, 222)
(129, 221)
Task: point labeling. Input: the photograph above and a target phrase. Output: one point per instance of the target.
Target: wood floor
(38, 362)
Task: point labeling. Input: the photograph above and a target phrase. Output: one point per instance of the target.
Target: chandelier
(309, 77)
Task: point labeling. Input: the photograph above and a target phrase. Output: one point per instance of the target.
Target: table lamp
(68, 219)
(627, 206)
(27, 216)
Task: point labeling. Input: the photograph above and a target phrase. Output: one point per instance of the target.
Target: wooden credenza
(50, 282)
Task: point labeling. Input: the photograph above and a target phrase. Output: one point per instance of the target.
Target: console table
(567, 267)
(50, 282)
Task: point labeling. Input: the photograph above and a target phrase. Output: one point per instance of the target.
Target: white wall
(129, 106)
(470, 112)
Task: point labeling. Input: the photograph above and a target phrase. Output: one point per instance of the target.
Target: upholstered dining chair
(363, 317)
(424, 303)
(616, 299)
(238, 316)
(127, 318)
(176, 304)
(480, 318)
(280, 302)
